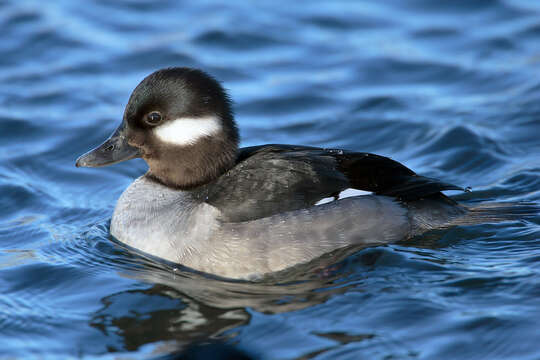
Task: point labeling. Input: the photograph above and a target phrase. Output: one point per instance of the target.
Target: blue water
(449, 88)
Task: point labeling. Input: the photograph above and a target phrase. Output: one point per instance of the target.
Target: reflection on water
(188, 307)
(181, 307)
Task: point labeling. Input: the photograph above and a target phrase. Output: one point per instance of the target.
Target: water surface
(449, 88)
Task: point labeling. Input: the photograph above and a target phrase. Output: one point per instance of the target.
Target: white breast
(161, 221)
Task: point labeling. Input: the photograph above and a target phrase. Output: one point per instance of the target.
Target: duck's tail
(442, 212)
(498, 212)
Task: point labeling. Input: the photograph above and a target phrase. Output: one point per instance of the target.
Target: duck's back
(273, 179)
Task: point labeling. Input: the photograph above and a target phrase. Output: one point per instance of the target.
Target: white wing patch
(344, 194)
(186, 131)
(353, 192)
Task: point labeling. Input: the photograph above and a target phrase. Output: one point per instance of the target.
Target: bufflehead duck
(243, 213)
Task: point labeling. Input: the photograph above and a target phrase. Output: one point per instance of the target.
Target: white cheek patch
(344, 194)
(187, 131)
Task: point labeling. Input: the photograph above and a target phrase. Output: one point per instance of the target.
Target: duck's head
(179, 120)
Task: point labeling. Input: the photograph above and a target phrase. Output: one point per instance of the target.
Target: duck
(244, 213)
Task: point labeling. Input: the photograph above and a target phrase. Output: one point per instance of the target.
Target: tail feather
(439, 213)
(498, 212)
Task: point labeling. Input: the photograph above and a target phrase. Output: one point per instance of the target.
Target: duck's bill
(114, 150)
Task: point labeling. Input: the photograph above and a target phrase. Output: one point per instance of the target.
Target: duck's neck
(188, 167)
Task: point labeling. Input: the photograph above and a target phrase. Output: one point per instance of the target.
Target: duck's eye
(153, 118)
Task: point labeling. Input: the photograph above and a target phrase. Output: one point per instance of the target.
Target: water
(449, 88)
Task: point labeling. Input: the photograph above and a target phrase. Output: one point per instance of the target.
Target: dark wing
(385, 176)
(270, 179)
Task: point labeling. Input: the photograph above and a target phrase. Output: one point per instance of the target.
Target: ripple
(153, 58)
(236, 41)
(498, 7)
(437, 33)
(18, 129)
(348, 24)
(380, 104)
(277, 106)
